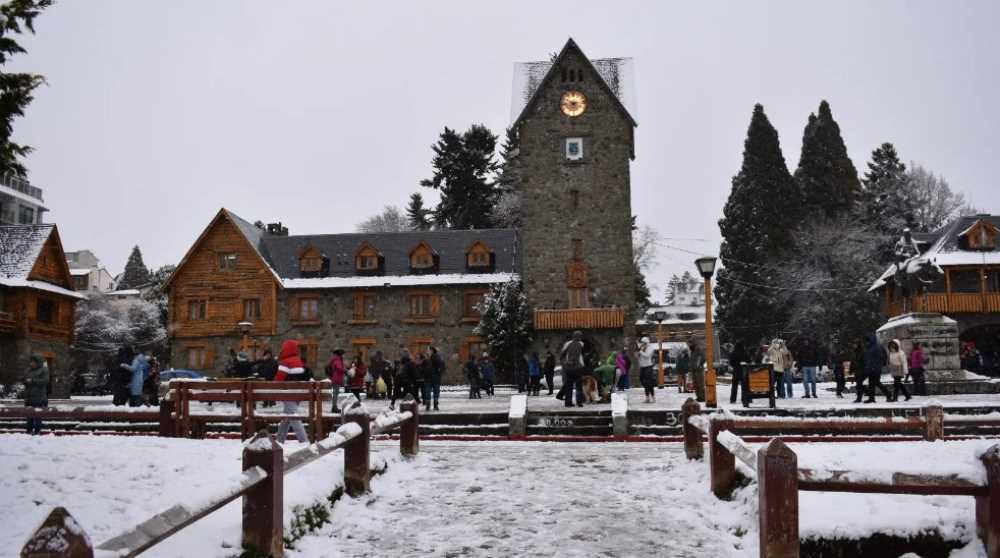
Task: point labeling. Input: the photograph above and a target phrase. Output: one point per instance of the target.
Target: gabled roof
(571, 46)
(20, 246)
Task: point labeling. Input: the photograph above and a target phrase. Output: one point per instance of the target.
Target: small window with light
(227, 262)
(574, 149)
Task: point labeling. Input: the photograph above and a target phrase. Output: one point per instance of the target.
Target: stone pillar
(939, 336)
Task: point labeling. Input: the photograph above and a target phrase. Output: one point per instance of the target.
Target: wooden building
(967, 252)
(37, 303)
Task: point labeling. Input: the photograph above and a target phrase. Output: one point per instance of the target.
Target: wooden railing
(953, 303)
(261, 486)
(8, 321)
(779, 477)
(580, 318)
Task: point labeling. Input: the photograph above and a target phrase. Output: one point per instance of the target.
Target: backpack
(572, 355)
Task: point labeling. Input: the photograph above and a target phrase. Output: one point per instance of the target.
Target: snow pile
(518, 406)
(391, 419)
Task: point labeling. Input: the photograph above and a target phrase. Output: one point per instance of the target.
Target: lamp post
(658, 317)
(706, 266)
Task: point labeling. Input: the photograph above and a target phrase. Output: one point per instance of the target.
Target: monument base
(939, 336)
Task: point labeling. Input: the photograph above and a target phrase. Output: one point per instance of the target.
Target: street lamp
(658, 317)
(706, 266)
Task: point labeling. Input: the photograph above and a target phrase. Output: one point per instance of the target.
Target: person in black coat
(406, 379)
(121, 377)
(266, 367)
(435, 365)
(736, 359)
(549, 369)
(875, 360)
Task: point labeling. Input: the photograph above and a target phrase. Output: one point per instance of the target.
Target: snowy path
(523, 499)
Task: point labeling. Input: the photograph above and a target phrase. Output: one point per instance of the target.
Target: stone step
(570, 431)
(567, 420)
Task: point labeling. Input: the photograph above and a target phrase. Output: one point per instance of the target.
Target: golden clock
(573, 103)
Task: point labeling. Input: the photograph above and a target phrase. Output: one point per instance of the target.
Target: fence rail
(261, 487)
(779, 477)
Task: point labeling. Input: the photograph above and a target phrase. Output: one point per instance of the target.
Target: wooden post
(263, 506)
(722, 464)
(935, 423)
(778, 500)
(357, 469)
(247, 429)
(988, 507)
(249, 416)
(318, 431)
(409, 432)
(693, 447)
(58, 531)
(168, 428)
(185, 411)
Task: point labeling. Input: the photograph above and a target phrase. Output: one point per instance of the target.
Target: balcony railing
(21, 185)
(580, 318)
(955, 303)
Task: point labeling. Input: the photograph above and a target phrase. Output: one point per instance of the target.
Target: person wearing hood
(898, 369)
(290, 367)
(622, 365)
(36, 390)
(780, 359)
(139, 369)
(875, 360)
(737, 358)
(573, 365)
(337, 372)
(646, 378)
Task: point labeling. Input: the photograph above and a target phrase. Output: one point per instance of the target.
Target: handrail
(390, 420)
(738, 448)
(157, 528)
(829, 480)
(334, 441)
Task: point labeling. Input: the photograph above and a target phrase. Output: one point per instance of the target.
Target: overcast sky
(319, 113)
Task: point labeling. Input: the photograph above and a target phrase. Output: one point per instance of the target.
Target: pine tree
(826, 176)
(886, 207)
(15, 89)
(463, 166)
(507, 211)
(642, 301)
(418, 215)
(758, 219)
(136, 273)
(505, 323)
(671, 292)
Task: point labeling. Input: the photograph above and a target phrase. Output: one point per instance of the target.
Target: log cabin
(37, 303)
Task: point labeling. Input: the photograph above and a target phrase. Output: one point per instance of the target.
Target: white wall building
(20, 202)
(89, 275)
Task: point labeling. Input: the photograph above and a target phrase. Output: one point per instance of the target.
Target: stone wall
(390, 328)
(14, 355)
(939, 336)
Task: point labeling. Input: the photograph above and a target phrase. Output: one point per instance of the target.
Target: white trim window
(574, 149)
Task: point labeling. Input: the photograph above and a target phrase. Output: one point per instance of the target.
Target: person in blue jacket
(139, 369)
(534, 374)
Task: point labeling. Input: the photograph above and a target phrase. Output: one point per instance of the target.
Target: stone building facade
(366, 292)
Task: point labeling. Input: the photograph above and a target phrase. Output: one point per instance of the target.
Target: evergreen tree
(136, 273)
(507, 211)
(670, 295)
(826, 176)
(886, 207)
(758, 219)
(642, 301)
(418, 215)
(463, 166)
(505, 323)
(15, 89)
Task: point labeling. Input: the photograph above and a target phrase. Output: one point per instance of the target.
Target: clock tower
(576, 145)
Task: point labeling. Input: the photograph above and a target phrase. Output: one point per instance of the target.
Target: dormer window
(423, 259)
(368, 260)
(312, 262)
(479, 257)
(982, 235)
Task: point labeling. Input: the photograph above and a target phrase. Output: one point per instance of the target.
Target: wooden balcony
(8, 322)
(580, 318)
(953, 303)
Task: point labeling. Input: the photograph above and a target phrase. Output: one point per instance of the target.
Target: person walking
(737, 358)
(898, 369)
(836, 363)
(875, 360)
(139, 369)
(696, 367)
(378, 367)
(683, 364)
(549, 370)
(356, 376)
(266, 367)
(857, 367)
(534, 374)
(121, 376)
(645, 353)
(36, 390)
(406, 379)
(336, 372)
(917, 369)
(290, 368)
(776, 357)
(571, 355)
(488, 374)
(809, 362)
(436, 367)
(473, 376)
(622, 364)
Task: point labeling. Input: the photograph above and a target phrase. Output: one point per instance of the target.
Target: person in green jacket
(606, 374)
(36, 390)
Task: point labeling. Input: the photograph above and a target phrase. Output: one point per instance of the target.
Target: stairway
(571, 422)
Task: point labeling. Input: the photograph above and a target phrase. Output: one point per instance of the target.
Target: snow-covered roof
(124, 293)
(398, 280)
(20, 246)
(40, 286)
(945, 249)
(78, 272)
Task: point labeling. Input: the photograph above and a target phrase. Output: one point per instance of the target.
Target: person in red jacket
(290, 368)
(357, 381)
(336, 372)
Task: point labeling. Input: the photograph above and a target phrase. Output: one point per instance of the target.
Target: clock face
(573, 103)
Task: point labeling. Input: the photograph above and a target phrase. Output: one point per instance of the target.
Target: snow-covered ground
(454, 399)
(472, 498)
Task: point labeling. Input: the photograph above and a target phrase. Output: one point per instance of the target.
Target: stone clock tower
(576, 144)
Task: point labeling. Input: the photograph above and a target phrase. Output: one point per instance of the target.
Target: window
(227, 262)
(574, 149)
(471, 300)
(993, 280)
(367, 258)
(81, 282)
(251, 309)
(367, 262)
(197, 358)
(308, 309)
(363, 346)
(197, 309)
(479, 255)
(25, 215)
(420, 345)
(471, 346)
(422, 257)
(309, 353)
(364, 306)
(421, 305)
(579, 298)
(965, 281)
(47, 311)
(310, 265)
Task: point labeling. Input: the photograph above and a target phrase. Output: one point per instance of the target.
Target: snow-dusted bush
(104, 325)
